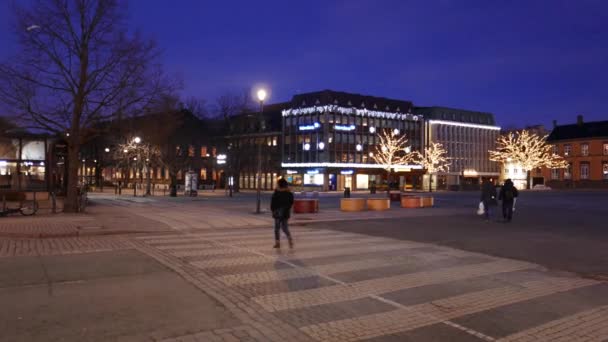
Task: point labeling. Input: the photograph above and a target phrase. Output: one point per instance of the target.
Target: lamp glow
(321, 145)
(137, 140)
(261, 94)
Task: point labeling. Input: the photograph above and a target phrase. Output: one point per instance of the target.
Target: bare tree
(528, 149)
(78, 65)
(233, 103)
(433, 160)
(392, 150)
(196, 106)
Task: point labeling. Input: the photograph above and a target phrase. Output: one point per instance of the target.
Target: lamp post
(137, 160)
(261, 93)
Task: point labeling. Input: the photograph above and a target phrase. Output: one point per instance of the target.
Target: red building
(585, 146)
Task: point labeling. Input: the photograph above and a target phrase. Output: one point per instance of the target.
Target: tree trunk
(71, 199)
(430, 182)
(529, 176)
(388, 184)
(173, 191)
(148, 181)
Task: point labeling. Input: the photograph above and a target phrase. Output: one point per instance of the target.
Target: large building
(329, 138)
(467, 137)
(585, 146)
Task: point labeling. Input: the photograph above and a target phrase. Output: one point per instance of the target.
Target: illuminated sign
(346, 165)
(312, 172)
(347, 172)
(344, 127)
(221, 156)
(309, 127)
(291, 172)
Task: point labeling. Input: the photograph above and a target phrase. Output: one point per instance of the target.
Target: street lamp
(137, 140)
(261, 94)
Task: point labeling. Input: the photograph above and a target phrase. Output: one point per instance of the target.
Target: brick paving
(350, 287)
(60, 246)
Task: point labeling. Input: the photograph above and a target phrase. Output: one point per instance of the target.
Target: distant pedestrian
(508, 194)
(280, 205)
(488, 197)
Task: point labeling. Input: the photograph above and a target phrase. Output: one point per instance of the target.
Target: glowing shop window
(362, 181)
(314, 179)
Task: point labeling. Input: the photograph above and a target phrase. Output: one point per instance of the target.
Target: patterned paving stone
(438, 332)
(338, 293)
(418, 316)
(410, 266)
(589, 325)
(429, 293)
(331, 312)
(289, 285)
(510, 319)
(221, 271)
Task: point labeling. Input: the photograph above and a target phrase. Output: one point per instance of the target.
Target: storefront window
(605, 170)
(584, 170)
(362, 181)
(313, 179)
(8, 175)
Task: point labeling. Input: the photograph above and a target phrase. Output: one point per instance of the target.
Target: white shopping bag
(514, 201)
(481, 209)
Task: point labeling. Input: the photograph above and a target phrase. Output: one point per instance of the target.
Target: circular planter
(428, 201)
(395, 196)
(305, 206)
(411, 202)
(378, 203)
(352, 204)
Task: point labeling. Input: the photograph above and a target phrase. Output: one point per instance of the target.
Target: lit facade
(329, 138)
(467, 137)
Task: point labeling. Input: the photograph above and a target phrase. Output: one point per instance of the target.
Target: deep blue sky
(525, 61)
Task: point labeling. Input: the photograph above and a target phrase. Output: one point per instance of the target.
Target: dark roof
(330, 97)
(455, 114)
(247, 122)
(597, 129)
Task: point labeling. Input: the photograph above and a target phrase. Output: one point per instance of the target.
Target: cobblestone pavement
(340, 286)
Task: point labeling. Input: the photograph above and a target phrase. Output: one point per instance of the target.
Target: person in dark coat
(508, 194)
(488, 197)
(280, 205)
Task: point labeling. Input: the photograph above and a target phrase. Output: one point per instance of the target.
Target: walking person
(280, 205)
(508, 194)
(488, 197)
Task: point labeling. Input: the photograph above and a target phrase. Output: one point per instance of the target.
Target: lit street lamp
(261, 93)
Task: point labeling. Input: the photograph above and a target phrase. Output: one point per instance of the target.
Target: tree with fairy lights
(392, 150)
(434, 159)
(527, 149)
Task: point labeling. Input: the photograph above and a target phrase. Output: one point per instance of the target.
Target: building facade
(250, 135)
(585, 146)
(329, 139)
(467, 136)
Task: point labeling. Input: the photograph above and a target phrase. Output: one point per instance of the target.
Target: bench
(352, 204)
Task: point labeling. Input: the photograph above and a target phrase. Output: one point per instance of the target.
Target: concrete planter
(352, 204)
(428, 201)
(378, 204)
(305, 206)
(411, 202)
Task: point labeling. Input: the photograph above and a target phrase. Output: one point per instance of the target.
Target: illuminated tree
(392, 150)
(137, 156)
(433, 159)
(527, 149)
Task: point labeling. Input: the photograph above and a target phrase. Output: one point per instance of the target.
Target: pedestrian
(280, 205)
(508, 194)
(488, 197)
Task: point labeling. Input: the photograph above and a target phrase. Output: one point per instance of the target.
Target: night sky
(526, 61)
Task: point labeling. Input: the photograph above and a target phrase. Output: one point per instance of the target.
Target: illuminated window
(190, 151)
(555, 149)
(203, 151)
(605, 170)
(554, 173)
(585, 149)
(584, 170)
(568, 171)
(605, 149)
(274, 141)
(567, 149)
